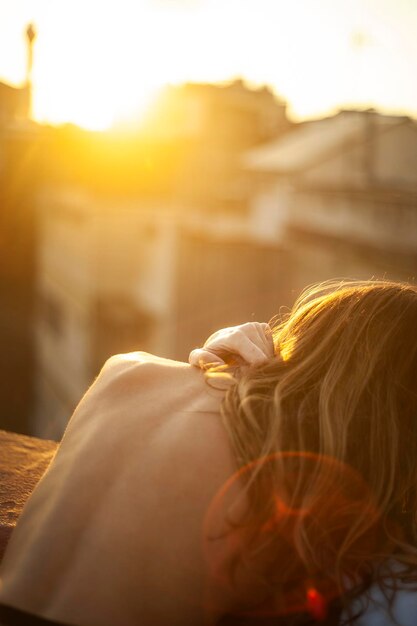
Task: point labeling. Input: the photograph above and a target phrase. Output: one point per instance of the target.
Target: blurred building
(14, 104)
(231, 114)
(17, 253)
(19, 147)
(340, 194)
(214, 124)
(121, 276)
(87, 275)
(144, 240)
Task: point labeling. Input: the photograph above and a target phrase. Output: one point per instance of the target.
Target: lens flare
(316, 604)
(273, 534)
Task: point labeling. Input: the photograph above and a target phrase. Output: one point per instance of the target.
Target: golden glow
(97, 62)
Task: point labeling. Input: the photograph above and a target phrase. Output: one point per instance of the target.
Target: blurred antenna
(30, 38)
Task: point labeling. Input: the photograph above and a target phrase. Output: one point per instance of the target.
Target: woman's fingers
(200, 358)
(265, 335)
(251, 343)
(241, 342)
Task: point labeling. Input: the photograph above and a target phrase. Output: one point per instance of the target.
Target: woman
(282, 489)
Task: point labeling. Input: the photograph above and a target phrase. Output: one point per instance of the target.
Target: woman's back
(113, 533)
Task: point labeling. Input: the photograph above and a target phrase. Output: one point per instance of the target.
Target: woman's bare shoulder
(141, 372)
(159, 414)
(138, 384)
(183, 407)
(140, 367)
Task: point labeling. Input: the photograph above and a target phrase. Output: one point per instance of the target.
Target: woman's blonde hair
(328, 430)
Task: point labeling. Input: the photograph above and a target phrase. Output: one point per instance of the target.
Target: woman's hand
(247, 344)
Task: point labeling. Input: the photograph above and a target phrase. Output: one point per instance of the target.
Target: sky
(97, 62)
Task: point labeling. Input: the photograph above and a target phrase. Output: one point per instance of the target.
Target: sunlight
(95, 77)
(101, 63)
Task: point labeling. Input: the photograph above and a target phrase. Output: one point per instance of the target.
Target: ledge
(23, 461)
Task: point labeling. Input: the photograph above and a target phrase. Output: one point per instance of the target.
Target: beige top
(112, 534)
